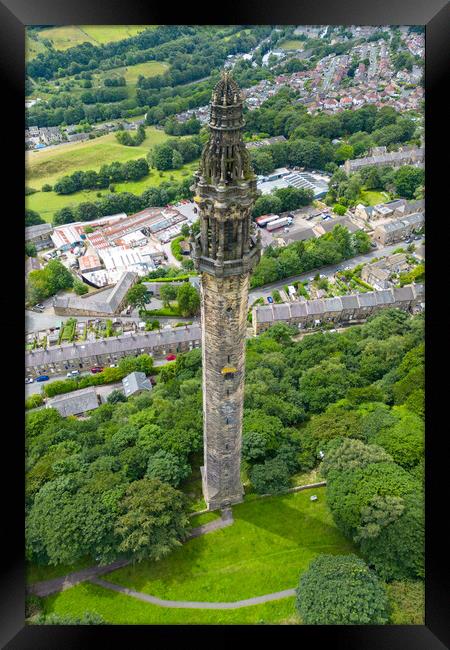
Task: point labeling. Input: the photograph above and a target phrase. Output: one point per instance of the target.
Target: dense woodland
(357, 397)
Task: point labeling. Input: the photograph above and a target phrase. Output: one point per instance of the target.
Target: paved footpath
(62, 583)
(48, 587)
(186, 604)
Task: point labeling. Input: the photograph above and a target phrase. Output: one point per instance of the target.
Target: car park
(42, 378)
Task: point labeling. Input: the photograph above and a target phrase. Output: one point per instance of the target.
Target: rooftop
(79, 401)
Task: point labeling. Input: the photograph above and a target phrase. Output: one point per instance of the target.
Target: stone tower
(224, 252)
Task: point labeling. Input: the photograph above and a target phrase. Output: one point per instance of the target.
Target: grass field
(132, 72)
(37, 573)
(47, 203)
(66, 36)
(124, 610)
(369, 197)
(270, 543)
(110, 33)
(47, 165)
(291, 45)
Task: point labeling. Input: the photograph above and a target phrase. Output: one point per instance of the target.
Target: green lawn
(132, 72)
(124, 610)
(36, 573)
(291, 45)
(370, 197)
(111, 33)
(47, 203)
(66, 36)
(270, 543)
(47, 165)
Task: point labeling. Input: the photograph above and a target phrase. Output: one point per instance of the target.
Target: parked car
(37, 309)
(42, 378)
(171, 357)
(416, 238)
(96, 369)
(373, 245)
(73, 373)
(40, 306)
(29, 380)
(269, 299)
(113, 365)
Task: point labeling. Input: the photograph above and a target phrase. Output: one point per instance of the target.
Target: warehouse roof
(107, 303)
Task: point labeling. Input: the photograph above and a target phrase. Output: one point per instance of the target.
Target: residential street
(266, 290)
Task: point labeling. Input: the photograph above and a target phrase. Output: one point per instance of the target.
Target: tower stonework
(224, 252)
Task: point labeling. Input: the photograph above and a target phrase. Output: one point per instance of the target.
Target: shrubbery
(341, 590)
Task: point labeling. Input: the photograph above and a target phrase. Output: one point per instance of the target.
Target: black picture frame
(434, 14)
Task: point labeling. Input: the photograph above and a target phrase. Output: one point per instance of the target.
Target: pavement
(328, 271)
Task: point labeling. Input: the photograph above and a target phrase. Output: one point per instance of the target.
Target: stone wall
(224, 318)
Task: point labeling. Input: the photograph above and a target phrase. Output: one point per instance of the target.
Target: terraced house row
(104, 352)
(341, 309)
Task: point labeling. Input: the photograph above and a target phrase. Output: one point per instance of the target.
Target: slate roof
(79, 401)
(113, 345)
(135, 382)
(108, 305)
(37, 231)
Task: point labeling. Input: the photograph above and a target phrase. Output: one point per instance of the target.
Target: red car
(96, 369)
(171, 357)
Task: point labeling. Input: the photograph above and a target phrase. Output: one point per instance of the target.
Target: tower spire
(224, 252)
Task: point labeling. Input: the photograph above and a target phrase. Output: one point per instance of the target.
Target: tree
(341, 590)
(271, 477)
(63, 216)
(161, 157)
(116, 396)
(33, 218)
(168, 292)
(407, 179)
(30, 249)
(168, 467)
(346, 454)
(152, 520)
(137, 296)
(405, 440)
(79, 287)
(188, 299)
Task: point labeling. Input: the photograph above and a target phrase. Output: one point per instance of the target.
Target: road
(40, 321)
(328, 271)
(103, 390)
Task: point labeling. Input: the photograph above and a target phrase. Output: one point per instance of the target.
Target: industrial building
(105, 303)
(39, 235)
(283, 177)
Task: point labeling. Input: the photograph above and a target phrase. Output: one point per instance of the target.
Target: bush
(341, 590)
(116, 396)
(34, 400)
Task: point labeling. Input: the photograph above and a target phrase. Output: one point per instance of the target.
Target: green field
(110, 33)
(291, 45)
(271, 541)
(370, 197)
(47, 203)
(125, 610)
(66, 36)
(132, 72)
(47, 165)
